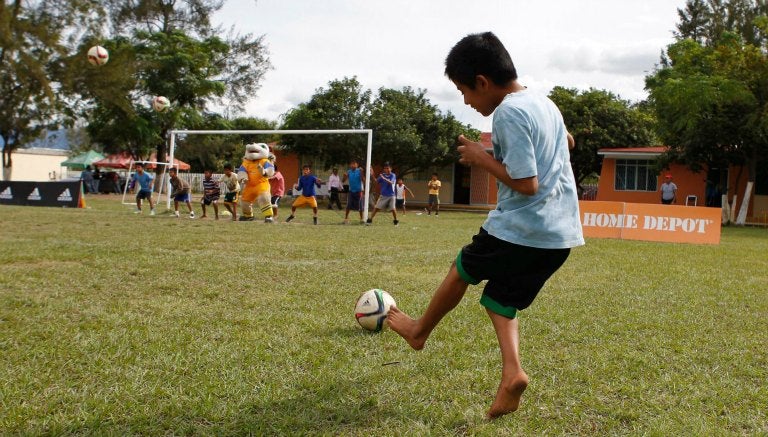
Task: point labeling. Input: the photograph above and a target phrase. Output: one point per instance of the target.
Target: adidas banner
(40, 193)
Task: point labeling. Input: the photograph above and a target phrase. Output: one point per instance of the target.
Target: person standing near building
(434, 195)
(668, 191)
(334, 188)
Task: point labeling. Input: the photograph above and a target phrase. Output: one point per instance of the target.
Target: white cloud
(605, 44)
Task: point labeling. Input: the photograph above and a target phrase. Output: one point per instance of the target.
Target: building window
(635, 175)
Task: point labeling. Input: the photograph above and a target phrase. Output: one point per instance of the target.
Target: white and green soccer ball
(372, 308)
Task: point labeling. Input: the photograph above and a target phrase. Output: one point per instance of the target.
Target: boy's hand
(471, 152)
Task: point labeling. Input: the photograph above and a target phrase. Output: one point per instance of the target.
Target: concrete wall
(38, 165)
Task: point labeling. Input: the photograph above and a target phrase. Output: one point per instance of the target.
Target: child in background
(356, 179)
(277, 187)
(334, 188)
(386, 201)
(536, 221)
(400, 190)
(307, 183)
(180, 193)
(144, 180)
(434, 195)
(233, 187)
(211, 193)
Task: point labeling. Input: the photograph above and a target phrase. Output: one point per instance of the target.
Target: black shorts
(275, 201)
(354, 201)
(144, 194)
(515, 273)
(209, 200)
(399, 203)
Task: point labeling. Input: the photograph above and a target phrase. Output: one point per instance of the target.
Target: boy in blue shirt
(307, 183)
(356, 179)
(387, 181)
(536, 221)
(144, 180)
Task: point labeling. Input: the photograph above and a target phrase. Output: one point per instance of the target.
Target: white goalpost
(368, 132)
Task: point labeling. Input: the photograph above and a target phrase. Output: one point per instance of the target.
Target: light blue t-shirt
(355, 180)
(530, 139)
(144, 180)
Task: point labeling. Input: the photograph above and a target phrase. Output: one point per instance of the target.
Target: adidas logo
(7, 194)
(34, 195)
(65, 196)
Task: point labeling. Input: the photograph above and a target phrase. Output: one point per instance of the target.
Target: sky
(602, 44)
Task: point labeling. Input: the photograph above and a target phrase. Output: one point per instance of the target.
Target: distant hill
(54, 139)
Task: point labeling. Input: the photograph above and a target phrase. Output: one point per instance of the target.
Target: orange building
(630, 175)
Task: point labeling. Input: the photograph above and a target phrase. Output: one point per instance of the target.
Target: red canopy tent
(123, 161)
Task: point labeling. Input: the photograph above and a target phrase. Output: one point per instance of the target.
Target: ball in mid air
(98, 55)
(161, 104)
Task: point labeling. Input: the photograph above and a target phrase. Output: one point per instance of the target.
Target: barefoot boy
(529, 234)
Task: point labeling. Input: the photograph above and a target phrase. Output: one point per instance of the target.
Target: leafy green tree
(712, 103)
(343, 105)
(407, 130)
(705, 21)
(33, 35)
(599, 119)
(164, 48)
(411, 133)
(710, 92)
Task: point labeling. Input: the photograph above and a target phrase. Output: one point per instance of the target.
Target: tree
(599, 119)
(705, 21)
(343, 105)
(166, 48)
(32, 37)
(710, 92)
(712, 103)
(411, 133)
(407, 130)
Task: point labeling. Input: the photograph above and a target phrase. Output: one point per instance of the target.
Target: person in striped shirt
(211, 193)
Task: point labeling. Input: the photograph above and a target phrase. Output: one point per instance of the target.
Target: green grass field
(116, 324)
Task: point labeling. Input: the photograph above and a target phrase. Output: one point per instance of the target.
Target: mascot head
(256, 151)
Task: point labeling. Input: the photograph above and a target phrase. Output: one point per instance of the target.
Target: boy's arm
(473, 153)
(571, 141)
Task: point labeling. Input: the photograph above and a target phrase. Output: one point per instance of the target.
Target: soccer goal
(368, 132)
(163, 183)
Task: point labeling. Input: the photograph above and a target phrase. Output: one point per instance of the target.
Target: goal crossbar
(368, 132)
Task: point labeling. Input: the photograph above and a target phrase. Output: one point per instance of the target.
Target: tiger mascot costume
(255, 171)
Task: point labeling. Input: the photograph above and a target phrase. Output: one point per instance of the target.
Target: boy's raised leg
(446, 297)
(514, 380)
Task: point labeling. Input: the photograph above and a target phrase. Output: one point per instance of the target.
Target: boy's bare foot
(406, 327)
(508, 396)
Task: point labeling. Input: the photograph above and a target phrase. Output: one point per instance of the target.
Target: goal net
(368, 132)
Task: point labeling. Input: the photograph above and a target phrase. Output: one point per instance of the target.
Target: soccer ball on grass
(372, 308)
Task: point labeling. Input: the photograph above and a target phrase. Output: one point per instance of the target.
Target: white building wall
(37, 165)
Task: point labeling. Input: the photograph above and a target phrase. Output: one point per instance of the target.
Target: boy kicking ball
(529, 235)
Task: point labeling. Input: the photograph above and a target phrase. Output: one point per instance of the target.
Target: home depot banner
(642, 221)
(67, 194)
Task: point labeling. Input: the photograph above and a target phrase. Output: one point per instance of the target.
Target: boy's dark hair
(386, 164)
(172, 170)
(434, 174)
(306, 166)
(228, 167)
(139, 164)
(480, 54)
(354, 160)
